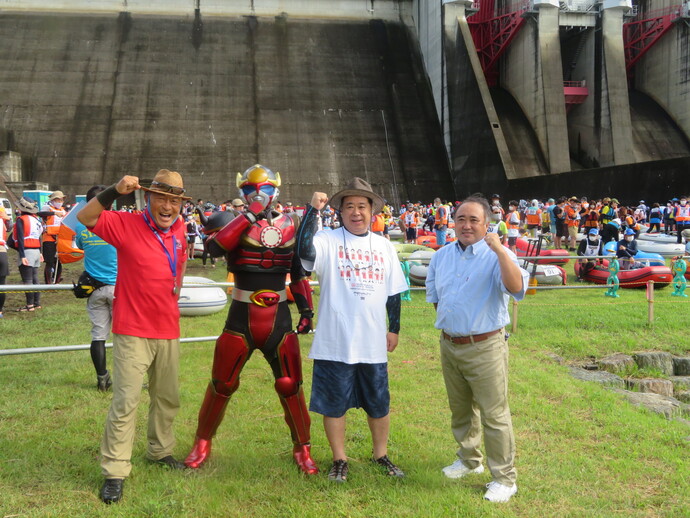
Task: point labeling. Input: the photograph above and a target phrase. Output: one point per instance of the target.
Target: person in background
(682, 217)
(238, 206)
(627, 250)
(361, 280)
(192, 230)
(27, 233)
(669, 216)
(474, 347)
(53, 213)
(533, 218)
(512, 220)
(4, 262)
(497, 225)
(408, 222)
(655, 218)
(152, 256)
(686, 236)
(591, 246)
(440, 221)
(100, 263)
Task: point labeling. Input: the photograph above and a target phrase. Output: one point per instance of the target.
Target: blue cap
(629, 232)
(593, 231)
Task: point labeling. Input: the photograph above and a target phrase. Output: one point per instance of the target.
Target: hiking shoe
(391, 469)
(111, 492)
(170, 462)
(104, 382)
(497, 492)
(458, 469)
(338, 471)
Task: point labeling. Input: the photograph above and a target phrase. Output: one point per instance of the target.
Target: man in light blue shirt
(470, 283)
(100, 262)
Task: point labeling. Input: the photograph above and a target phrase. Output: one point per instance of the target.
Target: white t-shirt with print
(356, 274)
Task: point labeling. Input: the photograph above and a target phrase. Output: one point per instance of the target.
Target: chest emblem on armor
(271, 236)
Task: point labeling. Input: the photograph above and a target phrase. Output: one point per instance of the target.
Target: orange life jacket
(438, 219)
(53, 223)
(410, 218)
(509, 221)
(533, 216)
(32, 231)
(683, 213)
(377, 223)
(3, 233)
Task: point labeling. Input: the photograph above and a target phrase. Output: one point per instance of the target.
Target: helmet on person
(629, 232)
(258, 183)
(535, 203)
(593, 231)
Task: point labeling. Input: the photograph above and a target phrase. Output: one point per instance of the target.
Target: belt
(470, 339)
(263, 298)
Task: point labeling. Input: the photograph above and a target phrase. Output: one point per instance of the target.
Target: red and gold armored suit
(259, 247)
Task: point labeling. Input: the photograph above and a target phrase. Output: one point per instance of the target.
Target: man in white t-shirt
(361, 281)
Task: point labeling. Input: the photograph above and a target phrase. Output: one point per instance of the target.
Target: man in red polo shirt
(151, 257)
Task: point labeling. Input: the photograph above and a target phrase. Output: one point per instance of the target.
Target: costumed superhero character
(259, 248)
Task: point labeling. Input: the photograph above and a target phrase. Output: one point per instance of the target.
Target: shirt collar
(471, 249)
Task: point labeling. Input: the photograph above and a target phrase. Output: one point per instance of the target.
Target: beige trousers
(133, 358)
(476, 377)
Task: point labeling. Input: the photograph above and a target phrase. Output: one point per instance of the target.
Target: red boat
(637, 278)
(523, 247)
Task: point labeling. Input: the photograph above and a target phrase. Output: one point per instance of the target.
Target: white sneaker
(497, 492)
(458, 470)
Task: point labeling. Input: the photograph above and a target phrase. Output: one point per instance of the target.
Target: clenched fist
(319, 200)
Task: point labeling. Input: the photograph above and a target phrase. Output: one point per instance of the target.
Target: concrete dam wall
(86, 98)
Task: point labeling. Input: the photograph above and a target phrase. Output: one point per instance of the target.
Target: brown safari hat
(57, 195)
(359, 187)
(27, 205)
(168, 183)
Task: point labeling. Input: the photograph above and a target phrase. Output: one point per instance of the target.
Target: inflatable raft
(404, 250)
(549, 274)
(522, 246)
(667, 249)
(419, 265)
(647, 258)
(661, 275)
(657, 237)
(201, 301)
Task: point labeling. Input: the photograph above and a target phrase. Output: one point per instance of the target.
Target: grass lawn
(582, 450)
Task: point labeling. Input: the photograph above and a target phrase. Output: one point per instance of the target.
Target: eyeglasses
(164, 187)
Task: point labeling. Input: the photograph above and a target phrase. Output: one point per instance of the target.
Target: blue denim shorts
(336, 387)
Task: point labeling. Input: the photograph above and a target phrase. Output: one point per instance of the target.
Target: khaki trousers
(476, 377)
(133, 357)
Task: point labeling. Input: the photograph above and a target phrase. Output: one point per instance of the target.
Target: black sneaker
(391, 469)
(104, 382)
(170, 462)
(338, 471)
(111, 492)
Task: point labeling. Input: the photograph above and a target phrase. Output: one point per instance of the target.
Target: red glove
(304, 324)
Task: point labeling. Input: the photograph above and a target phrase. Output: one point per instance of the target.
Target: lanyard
(172, 260)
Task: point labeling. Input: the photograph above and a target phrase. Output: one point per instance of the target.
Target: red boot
(199, 453)
(302, 455)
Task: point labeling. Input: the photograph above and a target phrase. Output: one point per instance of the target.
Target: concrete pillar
(615, 84)
(554, 134)
(477, 140)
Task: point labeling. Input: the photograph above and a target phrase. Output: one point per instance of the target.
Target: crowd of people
(135, 261)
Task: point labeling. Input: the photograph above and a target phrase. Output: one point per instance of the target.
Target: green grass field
(582, 450)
